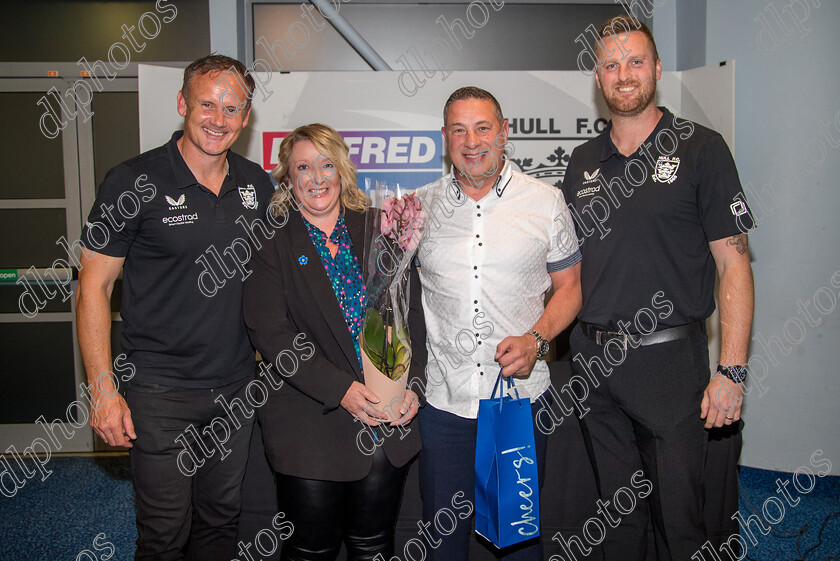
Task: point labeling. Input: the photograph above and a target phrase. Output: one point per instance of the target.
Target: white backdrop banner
(397, 139)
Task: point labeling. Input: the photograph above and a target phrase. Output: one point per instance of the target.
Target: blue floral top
(345, 274)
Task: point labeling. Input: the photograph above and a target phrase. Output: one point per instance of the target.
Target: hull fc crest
(666, 169)
(550, 162)
(249, 197)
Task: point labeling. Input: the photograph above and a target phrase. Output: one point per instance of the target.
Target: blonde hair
(329, 143)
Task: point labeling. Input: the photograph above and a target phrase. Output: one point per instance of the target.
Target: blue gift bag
(507, 502)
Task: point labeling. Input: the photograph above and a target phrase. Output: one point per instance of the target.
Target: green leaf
(397, 351)
(374, 331)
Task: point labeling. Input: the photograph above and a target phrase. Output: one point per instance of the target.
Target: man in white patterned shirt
(496, 241)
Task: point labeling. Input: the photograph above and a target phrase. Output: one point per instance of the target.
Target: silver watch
(542, 344)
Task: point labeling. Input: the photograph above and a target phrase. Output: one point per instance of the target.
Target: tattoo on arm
(740, 242)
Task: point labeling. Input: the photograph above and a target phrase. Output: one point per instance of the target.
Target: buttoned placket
(477, 259)
(224, 191)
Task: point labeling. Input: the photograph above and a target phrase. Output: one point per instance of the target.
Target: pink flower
(402, 221)
(386, 226)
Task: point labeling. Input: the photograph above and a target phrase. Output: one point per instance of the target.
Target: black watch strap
(735, 373)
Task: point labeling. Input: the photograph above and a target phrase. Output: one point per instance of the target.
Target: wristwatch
(735, 373)
(542, 344)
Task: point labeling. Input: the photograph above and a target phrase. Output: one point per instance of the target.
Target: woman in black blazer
(304, 305)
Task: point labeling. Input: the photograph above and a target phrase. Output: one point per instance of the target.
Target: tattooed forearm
(740, 242)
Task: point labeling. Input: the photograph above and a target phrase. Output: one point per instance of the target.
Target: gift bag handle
(510, 384)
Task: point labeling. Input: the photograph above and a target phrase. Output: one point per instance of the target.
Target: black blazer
(287, 296)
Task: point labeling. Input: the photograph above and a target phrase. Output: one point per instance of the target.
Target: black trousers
(187, 470)
(649, 443)
(361, 513)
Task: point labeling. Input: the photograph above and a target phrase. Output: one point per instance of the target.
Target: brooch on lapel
(302, 260)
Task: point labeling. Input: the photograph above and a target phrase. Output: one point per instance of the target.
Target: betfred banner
(401, 156)
(396, 138)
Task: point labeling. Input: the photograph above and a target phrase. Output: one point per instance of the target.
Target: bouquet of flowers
(393, 230)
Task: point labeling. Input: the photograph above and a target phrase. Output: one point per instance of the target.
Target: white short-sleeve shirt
(484, 268)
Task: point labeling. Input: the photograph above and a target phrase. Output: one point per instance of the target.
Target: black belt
(602, 337)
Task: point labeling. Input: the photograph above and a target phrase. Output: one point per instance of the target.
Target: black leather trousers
(361, 513)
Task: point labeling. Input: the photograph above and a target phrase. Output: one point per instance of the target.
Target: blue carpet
(807, 530)
(86, 497)
(59, 518)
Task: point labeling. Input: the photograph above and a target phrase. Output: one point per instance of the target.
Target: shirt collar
(498, 187)
(183, 175)
(319, 237)
(608, 149)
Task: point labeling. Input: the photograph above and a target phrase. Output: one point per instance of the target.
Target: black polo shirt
(645, 222)
(182, 326)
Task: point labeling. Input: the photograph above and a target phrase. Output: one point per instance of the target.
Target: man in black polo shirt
(659, 210)
(170, 219)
